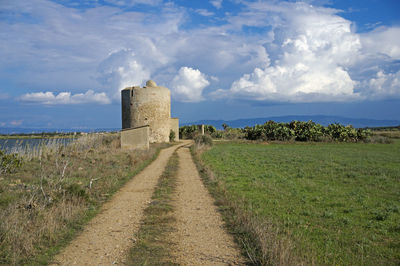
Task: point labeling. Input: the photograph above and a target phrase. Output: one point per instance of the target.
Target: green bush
(189, 132)
(275, 131)
(218, 134)
(77, 191)
(305, 131)
(171, 136)
(203, 140)
(208, 129)
(9, 162)
(347, 133)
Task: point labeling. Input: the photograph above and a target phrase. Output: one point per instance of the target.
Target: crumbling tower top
(151, 83)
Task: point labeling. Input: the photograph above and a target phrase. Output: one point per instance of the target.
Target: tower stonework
(149, 106)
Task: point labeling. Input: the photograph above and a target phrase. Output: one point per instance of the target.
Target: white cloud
(121, 69)
(313, 48)
(107, 48)
(294, 51)
(188, 85)
(16, 123)
(57, 43)
(382, 40)
(133, 2)
(216, 3)
(216, 79)
(383, 85)
(295, 84)
(49, 98)
(204, 12)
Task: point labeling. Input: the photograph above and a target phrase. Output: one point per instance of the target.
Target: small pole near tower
(202, 129)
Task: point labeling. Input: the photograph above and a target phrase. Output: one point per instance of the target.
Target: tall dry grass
(30, 151)
(57, 190)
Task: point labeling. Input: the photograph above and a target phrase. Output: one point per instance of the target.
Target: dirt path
(200, 236)
(108, 236)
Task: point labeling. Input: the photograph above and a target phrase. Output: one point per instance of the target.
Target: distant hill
(320, 119)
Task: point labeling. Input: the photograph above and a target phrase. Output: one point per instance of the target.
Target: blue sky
(63, 63)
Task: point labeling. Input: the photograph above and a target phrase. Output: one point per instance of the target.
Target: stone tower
(149, 106)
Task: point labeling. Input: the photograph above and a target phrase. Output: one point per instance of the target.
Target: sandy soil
(200, 237)
(107, 238)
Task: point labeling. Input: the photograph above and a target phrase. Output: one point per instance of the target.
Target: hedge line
(294, 130)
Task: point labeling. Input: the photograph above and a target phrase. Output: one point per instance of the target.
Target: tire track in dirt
(108, 236)
(200, 236)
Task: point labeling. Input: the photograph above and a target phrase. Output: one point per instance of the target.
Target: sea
(22, 144)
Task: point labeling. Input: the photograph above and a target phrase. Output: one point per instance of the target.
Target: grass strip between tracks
(153, 246)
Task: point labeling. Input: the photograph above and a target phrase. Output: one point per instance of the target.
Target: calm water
(12, 145)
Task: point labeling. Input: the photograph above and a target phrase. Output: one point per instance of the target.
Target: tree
(225, 126)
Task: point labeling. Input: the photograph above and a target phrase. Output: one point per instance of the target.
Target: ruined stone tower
(149, 106)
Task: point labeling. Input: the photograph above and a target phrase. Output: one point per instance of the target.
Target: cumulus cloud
(382, 40)
(133, 2)
(188, 85)
(204, 12)
(382, 85)
(313, 48)
(121, 69)
(50, 98)
(216, 3)
(295, 84)
(108, 48)
(16, 123)
(294, 52)
(89, 45)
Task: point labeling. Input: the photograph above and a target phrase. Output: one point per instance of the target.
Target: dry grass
(395, 134)
(57, 190)
(29, 151)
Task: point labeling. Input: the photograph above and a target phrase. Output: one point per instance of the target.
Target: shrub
(378, 139)
(233, 133)
(189, 132)
(201, 140)
(9, 162)
(218, 134)
(171, 136)
(305, 131)
(208, 129)
(76, 190)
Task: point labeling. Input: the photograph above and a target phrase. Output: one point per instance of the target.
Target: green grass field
(337, 203)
